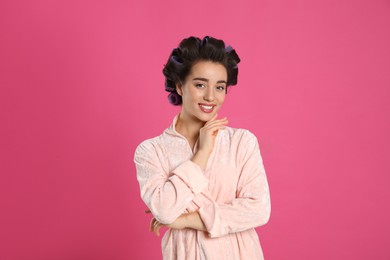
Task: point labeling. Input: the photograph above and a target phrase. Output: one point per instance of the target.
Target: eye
(199, 85)
(221, 88)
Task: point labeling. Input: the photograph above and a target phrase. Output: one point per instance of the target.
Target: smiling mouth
(206, 108)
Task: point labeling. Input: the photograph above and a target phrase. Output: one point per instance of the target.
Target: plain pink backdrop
(81, 86)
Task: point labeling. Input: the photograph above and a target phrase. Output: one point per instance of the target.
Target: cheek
(191, 97)
(194, 95)
(221, 98)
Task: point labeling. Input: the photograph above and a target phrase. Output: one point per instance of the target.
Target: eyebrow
(207, 80)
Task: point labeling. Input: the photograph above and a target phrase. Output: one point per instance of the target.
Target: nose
(209, 95)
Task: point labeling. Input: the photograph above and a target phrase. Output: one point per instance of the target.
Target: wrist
(204, 152)
(194, 221)
(200, 158)
(188, 219)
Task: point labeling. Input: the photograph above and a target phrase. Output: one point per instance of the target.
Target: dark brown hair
(192, 50)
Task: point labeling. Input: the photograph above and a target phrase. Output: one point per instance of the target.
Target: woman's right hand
(208, 133)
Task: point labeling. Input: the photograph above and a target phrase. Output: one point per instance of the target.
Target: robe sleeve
(167, 194)
(252, 206)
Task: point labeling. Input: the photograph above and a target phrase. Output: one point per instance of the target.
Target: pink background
(81, 86)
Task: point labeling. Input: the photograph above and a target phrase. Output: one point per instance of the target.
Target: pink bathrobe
(231, 195)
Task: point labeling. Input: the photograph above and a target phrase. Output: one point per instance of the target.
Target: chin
(205, 117)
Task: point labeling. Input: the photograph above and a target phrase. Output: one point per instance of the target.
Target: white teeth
(206, 107)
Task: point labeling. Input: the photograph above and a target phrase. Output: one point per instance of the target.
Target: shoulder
(243, 143)
(241, 140)
(239, 134)
(148, 146)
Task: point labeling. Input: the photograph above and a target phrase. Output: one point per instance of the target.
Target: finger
(212, 127)
(151, 226)
(219, 121)
(213, 118)
(158, 231)
(216, 129)
(223, 121)
(156, 228)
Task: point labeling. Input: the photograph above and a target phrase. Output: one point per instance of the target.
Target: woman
(200, 178)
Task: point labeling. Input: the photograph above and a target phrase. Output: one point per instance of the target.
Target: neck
(188, 127)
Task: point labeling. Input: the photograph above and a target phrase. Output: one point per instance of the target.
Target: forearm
(242, 214)
(194, 221)
(188, 220)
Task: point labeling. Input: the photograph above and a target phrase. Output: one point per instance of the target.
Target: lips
(207, 108)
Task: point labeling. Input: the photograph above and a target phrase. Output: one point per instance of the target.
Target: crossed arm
(188, 220)
(169, 196)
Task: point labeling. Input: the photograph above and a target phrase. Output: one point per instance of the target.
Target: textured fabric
(231, 195)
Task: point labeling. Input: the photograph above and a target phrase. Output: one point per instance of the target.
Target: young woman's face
(203, 91)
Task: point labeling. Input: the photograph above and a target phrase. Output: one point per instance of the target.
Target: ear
(179, 89)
